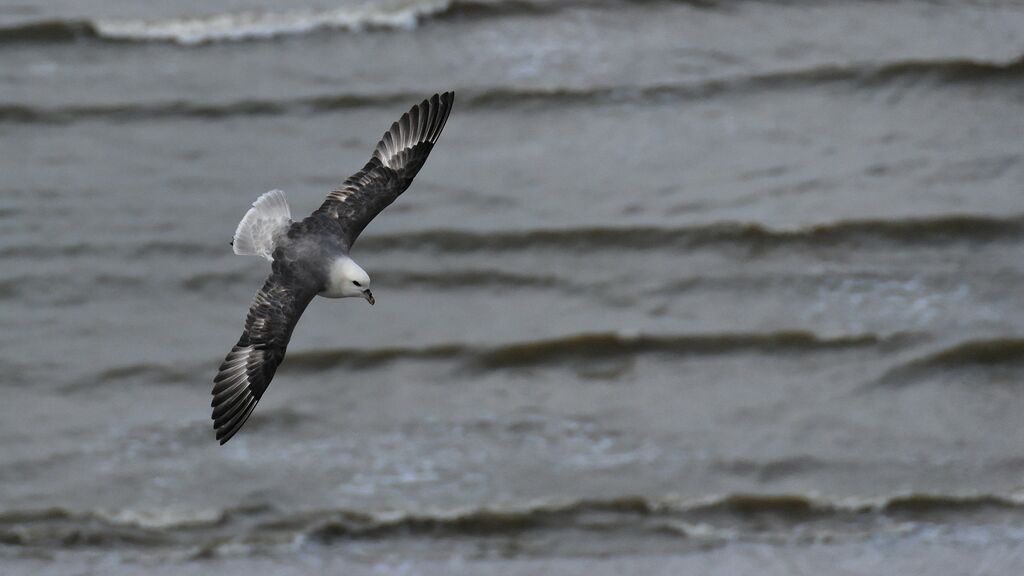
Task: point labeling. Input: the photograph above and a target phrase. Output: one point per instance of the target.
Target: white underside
(267, 220)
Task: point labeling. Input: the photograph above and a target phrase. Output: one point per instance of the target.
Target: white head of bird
(346, 279)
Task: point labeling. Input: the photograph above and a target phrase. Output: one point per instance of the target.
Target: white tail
(262, 225)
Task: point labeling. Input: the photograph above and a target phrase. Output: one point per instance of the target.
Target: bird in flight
(310, 257)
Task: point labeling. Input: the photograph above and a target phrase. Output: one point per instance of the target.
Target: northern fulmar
(311, 257)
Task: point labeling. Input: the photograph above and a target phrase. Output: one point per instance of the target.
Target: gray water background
(686, 287)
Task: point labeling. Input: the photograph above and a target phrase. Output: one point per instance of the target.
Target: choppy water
(686, 287)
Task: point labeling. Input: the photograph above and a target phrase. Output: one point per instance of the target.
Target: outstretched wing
(398, 157)
(246, 372)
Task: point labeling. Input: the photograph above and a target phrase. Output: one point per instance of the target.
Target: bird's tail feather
(262, 225)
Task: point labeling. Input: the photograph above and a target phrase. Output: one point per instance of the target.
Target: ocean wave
(735, 516)
(250, 26)
(202, 29)
(470, 278)
(973, 352)
(48, 31)
(62, 528)
(933, 232)
(570, 350)
(181, 109)
(589, 346)
(856, 75)
(148, 372)
(142, 249)
(989, 354)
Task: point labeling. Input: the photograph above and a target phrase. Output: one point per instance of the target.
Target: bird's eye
(357, 284)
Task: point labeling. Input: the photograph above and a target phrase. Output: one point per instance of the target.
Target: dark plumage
(398, 157)
(306, 256)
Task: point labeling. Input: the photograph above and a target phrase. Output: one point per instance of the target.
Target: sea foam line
(254, 25)
(262, 25)
(728, 516)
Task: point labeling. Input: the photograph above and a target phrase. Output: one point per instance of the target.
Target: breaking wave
(249, 26)
(735, 517)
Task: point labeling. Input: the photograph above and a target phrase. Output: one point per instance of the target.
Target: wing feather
(249, 367)
(396, 159)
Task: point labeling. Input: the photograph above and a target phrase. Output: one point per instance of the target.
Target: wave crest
(251, 25)
(992, 354)
(728, 516)
(936, 231)
(933, 231)
(588, 346)
(856, 75)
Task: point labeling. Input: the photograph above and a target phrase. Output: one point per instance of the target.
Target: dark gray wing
(246, 372)
(398, 157)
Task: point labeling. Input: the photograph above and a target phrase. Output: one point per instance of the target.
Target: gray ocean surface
(699, 287)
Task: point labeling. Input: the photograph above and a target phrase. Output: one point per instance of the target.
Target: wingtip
(227, 430)
(446, 98)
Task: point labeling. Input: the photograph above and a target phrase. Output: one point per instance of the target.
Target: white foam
(163, 517)
(261, 25)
